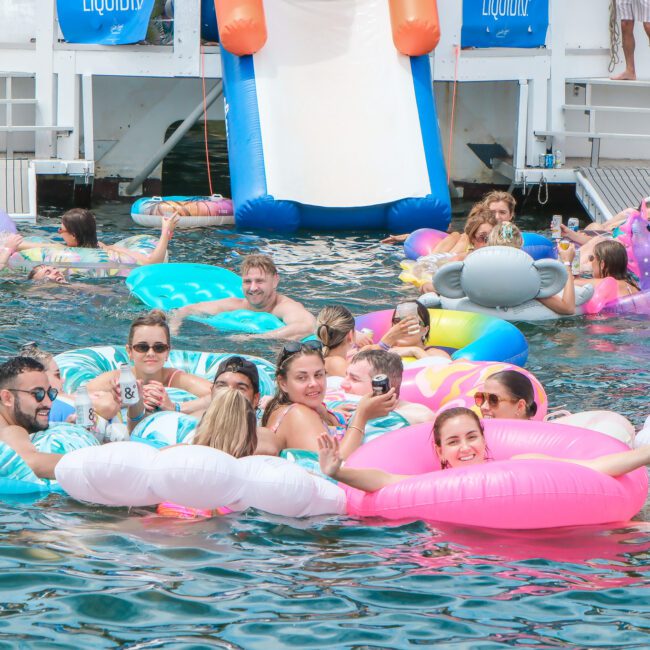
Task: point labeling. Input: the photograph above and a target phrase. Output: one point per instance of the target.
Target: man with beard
(25, 400)
(260, 282)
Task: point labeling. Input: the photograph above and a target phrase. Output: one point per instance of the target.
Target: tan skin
(149, 369)
(16, 436)
(508, 406)
(301, 425)
(462, 444)
(260, 294)
(501, 211)
(157, 256)
(597, 270)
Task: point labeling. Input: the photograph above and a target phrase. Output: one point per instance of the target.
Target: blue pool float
(170, 286)
(16, 477)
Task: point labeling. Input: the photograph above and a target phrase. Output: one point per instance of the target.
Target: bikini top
(331, 430)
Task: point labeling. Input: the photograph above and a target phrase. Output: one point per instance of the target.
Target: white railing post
(44, 78)
(68, 107)
(187, 38)
(557, 83)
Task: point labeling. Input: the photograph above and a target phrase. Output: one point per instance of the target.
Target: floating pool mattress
(194, 211)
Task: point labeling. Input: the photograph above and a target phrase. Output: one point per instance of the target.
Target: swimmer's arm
(267, 443)
(566, 304)
(103, 382)
(298, 322)
(610, 464)
(206, 308)
(368, 480)
(192, 384)
(394, 239)
(41, 463)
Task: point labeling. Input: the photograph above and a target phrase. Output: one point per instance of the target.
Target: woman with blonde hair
(505, 234)
(228, 424)
(335, 330)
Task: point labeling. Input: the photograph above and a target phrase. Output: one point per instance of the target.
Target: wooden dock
(605, 191)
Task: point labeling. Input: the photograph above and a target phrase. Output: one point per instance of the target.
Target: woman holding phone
(410, 329)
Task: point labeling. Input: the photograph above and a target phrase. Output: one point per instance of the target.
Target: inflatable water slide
(330, 114)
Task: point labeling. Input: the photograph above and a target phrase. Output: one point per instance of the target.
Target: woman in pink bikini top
(297, 415)
(148, 348)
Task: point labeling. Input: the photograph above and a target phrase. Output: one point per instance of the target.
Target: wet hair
(613, 258)
(476, 219)
(496, 196)
(519, 387)
(449, 414)
(32, 274)
(423, 315)
(10, 369)
(263, 262)
(155, 317)
(32, 351)
(383, 363)
(505, 234)
(228, 424)
(81, 223)
(333, 324)
(283, 364)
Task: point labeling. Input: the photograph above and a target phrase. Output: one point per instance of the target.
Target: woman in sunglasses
(407, 337)
(296, 413)
(507, 394)
(148, 348)
(459, 441)
(78, 229)
(609, 260)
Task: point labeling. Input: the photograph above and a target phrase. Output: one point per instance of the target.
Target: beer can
(573, 224)
(542, 160)
(575, 264)
(556, 230)
(380, 384)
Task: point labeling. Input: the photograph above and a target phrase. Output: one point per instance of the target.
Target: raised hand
(328, 454)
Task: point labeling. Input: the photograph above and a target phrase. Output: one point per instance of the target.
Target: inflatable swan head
(500, 276)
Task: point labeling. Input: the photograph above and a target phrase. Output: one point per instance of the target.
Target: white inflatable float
(194, 476)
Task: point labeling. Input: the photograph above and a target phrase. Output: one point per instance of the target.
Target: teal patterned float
(16, 477)
(171, 286)
(165, 428)
(79, 366)
(94, 262)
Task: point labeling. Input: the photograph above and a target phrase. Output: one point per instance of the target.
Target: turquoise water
(80, 576)
(75, 575)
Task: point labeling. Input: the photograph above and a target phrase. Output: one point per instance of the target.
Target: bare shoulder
(16, 437)
(286, 305)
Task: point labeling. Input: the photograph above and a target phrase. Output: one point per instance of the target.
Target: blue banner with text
(504, 23)
(104, 22)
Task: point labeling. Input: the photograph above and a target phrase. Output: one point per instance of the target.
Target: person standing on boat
(260, 281)
(629, 11)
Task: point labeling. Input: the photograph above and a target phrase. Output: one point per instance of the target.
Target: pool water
(76, 575)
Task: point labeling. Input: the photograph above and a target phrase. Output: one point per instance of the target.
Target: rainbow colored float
(194, 211)
(474, 337)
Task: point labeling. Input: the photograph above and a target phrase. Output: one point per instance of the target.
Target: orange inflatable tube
(416, 28)
(242, 26)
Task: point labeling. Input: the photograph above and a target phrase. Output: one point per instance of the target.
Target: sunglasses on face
(491, 399)
(38, 393)
(143, 348)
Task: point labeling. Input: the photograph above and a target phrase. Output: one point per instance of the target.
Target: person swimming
(459, 441)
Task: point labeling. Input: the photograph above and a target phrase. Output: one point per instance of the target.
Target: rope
(453, 115)
(542, 188)
(614, 37)
(205, 122)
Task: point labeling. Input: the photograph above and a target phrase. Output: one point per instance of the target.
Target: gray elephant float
(502, 281)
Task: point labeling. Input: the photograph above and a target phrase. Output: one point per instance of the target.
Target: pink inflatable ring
(503, 493)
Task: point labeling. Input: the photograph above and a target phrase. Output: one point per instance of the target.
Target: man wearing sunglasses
(259, 283)
(25, 401)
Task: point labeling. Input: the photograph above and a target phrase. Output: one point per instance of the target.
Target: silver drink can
(542, 160)
(575, 264)
(556, 230)
(573, 224)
